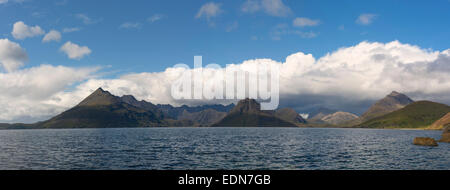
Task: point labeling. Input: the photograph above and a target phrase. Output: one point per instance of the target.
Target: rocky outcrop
(445, 135)
(425, 141)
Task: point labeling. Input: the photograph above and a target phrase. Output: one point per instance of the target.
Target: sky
(337, 54)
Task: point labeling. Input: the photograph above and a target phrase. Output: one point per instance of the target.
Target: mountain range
(101, 109)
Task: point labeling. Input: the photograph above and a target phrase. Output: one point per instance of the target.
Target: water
(220, 148)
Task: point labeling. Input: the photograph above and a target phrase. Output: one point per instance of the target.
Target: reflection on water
(220, 148)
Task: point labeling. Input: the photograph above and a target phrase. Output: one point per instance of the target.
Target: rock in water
(425, 141)
(446, 135)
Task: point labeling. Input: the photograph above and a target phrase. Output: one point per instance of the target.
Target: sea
(220, 148)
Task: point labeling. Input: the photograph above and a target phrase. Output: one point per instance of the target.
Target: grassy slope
(416, 115)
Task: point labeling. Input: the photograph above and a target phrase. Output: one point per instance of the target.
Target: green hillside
(416, 115)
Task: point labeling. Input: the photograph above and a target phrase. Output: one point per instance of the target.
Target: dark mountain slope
(247, 113)
(416, 115)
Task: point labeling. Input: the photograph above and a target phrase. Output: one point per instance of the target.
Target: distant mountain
(290, 115)
(441, 123)
(247, 113)
(339, 118)
(176, 112)
(129, 99)
(415, 115)
(101, 109)
(320, 113)
(203, 118)
(392, 102)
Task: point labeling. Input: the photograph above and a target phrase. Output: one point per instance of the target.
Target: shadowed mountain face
(203, 118)
(101, 109)
(390, 103)
(177, 112)
(289, 114)
(100, 98)
(129, 99)
(415, 115)
(247, 113)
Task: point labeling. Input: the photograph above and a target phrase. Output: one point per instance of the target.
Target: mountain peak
(129, 98)
(395, 93)
(247, 105)
(392, 102)
(100, 97)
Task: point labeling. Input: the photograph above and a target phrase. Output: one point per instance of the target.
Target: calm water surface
(220, 148)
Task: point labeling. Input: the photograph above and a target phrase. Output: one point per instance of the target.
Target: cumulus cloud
(12, 56)
(209, 11)
(74, 51)
(22, 31)
(302, 22)
(366, 19)
(31, 94)
(271, 7)
(53, 35)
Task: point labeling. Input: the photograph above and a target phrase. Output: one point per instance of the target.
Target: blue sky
(231, 36)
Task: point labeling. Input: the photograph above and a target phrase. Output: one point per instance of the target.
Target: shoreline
(406, 129)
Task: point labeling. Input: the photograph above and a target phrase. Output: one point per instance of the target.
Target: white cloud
(22, 31)
(86, 19)
(31, 94)
(209, 11)
(12, 56)
(69, 30)
(271, 7)
(74, 51)
(155, 18)
(53, 35)
(131, 25)
(302, 22)
(15, 1)
(366, 19)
